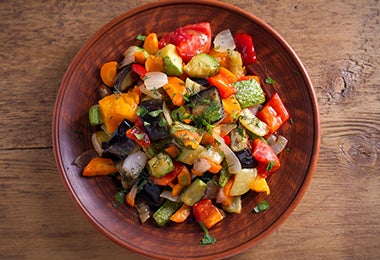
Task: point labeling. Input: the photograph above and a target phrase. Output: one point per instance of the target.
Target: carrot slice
(108, 73)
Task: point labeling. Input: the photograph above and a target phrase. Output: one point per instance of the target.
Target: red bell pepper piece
(138, 134)
(244, 46)
(206, 213)
(268, 162)
(139, 70)
(168, 178)
(274, 113)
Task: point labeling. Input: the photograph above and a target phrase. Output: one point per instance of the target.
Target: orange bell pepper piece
(176, 90)
(206, 213)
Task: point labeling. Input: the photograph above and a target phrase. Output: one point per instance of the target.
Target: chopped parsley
(262, 206)
(207, 238)
(270, 166)
(141, 37)
(270, 81)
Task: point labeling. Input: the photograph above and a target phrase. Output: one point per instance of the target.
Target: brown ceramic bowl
(94, 196)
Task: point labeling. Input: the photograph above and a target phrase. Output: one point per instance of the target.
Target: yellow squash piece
(117, 107)
(259, 184)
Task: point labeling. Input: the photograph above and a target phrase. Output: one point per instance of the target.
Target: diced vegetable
(163, 214)
(235, 206)
(125, 78)
(119, 144)
(108, 72)
(260, 184)
(236, 64)
(187, 135)
(151, 43)
(172, 60)
(97, 140)
(155, 124)
(274, 113)
(181, 214)
(99, 166)
(176, 90)
(246, 159)
(188, 155)
(242, 181)
(207, 213)
(207, 106)
(134, 164)
(224, 41)
(129, 55)
(223, 84)
(117, 107)
(239, 139)
(249, 93)
(194, 192)
(168, 178)
(155, 80)
(245, 47)
(202, 66)
(95, 116)
(234, 165)
(252, 123)
(262, 206)
(160, 165)
(267, 159)
(190, 40)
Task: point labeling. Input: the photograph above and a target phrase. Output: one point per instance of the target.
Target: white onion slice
(280, 144)
(134, 164)
(155, 80)
(155, 94)
(271, 139)
(201, 165)
(166, 113)
(129, 55)
(224, 41)
(234, 165)
(143, 211)
(166, 194)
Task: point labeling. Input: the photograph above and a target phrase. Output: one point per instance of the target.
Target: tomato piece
(244, 46)
(138, 134)
(274, 113)
(206, 213)
(227, 140)
(168, 178)
(268, 162)
(190, 40)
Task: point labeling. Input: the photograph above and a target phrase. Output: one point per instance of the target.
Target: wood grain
(337, 41)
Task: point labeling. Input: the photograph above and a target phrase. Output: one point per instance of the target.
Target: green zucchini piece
(95, 116)
(194, 192)
(252, 123)
(172, 60)
(160, 165)
(163, 214)
(188, 155)
(249, 93)
(202, 65)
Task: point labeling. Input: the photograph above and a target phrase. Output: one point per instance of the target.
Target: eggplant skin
(120, 146)
(152, 126)
(150, 194)
(207, 105)
(246, 159)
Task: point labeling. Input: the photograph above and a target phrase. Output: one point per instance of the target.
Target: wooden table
(338, 42)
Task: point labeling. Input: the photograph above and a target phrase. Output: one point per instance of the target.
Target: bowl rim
(214, 3)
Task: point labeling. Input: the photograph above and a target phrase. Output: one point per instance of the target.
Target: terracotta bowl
(95, 196)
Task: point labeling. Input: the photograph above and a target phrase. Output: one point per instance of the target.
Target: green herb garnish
(262, 206)
(141, 37)
(270, 166)
(141, 111)
(207, 238)
(155, 113)
(270, 81)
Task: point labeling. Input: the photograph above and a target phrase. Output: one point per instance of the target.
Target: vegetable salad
(184, 128)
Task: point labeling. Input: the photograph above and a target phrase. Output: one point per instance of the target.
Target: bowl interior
(95, 196)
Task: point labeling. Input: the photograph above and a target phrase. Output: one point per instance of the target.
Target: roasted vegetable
(151, 113)
(207, 106)
(120, 145)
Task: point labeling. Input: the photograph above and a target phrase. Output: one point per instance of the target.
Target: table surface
(337, 41)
